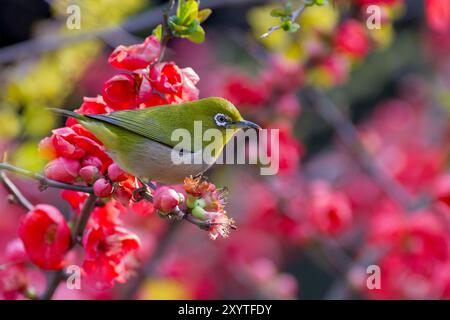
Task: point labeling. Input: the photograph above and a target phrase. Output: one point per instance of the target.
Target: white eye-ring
(221, 120)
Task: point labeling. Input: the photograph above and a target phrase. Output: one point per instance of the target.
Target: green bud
(191, 201)
(199, 213)
(294, 27)
(277, 13)
(200, 203)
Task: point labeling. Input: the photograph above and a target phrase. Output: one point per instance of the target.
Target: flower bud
(167, 199)
(103, 188)
(89, 174)
(46, 236)
(200, 213)
(116, 174)
(62, 169)
(92, 161)
(46, 149)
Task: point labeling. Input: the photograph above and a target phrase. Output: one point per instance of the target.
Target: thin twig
(348, 134)
(15, 192)
(294, 15)
(166, 33)
(43, 181)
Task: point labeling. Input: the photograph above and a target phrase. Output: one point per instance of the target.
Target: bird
(141, 141)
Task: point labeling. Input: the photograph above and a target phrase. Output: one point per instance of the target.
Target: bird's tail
(68, 113)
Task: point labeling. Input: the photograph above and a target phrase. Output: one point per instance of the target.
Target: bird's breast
(158, 162)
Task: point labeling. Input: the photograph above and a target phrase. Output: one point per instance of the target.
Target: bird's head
(219, 113)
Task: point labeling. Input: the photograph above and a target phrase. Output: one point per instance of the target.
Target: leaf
(198, 36)
(204, 14)
(278, 13)
(187, 11)
(157, 32)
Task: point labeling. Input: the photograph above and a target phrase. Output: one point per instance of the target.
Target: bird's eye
(221, 119)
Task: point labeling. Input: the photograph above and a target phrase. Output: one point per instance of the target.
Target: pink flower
(329, 211)
(438, 14)
(116, 174)
(62, 169)
(136, 56)
(89, 174)
(351, 39)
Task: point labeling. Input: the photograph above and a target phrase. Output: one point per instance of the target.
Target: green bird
(140, 141)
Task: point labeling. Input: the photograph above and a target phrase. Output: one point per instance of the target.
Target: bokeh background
(363, 119)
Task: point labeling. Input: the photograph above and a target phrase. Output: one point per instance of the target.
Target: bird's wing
(139, 122)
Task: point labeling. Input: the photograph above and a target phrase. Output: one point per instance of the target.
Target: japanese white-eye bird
(140, 140)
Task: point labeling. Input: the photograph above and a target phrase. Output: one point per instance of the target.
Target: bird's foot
(142, 193)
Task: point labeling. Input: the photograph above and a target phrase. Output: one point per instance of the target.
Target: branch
(347, 132)
(15, 192)
(77, 232)
(83, 219)
(166, 34)
(44, 182)
(293, 16)
(54, 280)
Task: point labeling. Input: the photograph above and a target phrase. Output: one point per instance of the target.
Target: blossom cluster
(77, 157)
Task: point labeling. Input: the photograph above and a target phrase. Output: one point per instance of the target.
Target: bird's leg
(143, 192)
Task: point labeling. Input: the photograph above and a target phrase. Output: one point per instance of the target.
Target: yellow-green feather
(158, 123)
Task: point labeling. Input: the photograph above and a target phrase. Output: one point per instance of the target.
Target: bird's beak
(244, 124)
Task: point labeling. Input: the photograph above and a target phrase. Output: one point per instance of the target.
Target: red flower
(62, 169)
(136, 56)
(166, 77)
(351, 39)
(288, 148)
(94, 105)
(120, 91)
(74, 198)
(438, 14)
(46, 236)
(243, 91)
(107, 251)
(416, 260)
(166, 83)
(329, 211)
(369, 2)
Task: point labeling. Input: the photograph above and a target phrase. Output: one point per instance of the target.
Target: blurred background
(362, 108)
